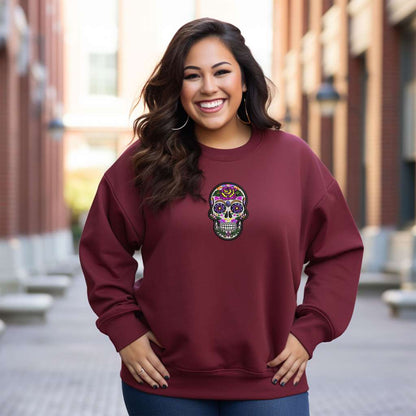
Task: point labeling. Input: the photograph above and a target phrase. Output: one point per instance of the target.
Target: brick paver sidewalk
(370, 370)
(66, 367)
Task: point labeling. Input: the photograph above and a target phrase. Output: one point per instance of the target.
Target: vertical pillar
(29, 200)
(373, 131)
(355, 137)
(11, 270)
(314, 123)
(383, 123)
(295, 45)
(341, 140)
(280, 48)
(46, 155)
(304, 104)
(390, 121)
(330, 66)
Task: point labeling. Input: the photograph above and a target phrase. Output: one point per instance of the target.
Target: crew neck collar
(233, 153)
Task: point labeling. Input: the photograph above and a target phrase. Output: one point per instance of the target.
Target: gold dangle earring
(245, 109)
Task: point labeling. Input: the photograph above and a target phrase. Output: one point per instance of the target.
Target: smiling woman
(226, 209)
(211, 94)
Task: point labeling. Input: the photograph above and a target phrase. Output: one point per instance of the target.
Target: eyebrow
(213, 66)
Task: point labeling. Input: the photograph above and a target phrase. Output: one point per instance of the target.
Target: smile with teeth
(211, 105)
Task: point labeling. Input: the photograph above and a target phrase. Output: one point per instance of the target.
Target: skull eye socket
(237, 208)
(219, 208)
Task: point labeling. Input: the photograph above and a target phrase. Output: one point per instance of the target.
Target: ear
(244, 87)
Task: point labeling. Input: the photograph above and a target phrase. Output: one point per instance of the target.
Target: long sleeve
(334, 250)
(106, 252)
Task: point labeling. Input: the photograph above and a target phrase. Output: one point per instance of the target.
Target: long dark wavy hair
(166, 162)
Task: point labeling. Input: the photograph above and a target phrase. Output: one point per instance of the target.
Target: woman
(226, 209)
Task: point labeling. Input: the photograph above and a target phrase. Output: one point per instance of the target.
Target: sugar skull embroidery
(228, 210)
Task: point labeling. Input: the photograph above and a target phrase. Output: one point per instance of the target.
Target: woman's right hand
(139, 354)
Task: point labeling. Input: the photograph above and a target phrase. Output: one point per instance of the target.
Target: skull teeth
(228, 227)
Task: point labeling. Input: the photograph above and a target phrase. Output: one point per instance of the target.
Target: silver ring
(141, 371)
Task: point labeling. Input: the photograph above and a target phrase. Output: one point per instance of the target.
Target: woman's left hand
(294, 358)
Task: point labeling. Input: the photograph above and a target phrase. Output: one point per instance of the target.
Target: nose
(209, 85)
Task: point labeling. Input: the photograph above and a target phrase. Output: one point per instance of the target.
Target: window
(103, 73)
(100, 34)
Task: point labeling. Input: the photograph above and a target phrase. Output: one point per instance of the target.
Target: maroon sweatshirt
(220, 282)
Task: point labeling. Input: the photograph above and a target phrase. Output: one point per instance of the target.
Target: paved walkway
(66, 367)
(369, 370)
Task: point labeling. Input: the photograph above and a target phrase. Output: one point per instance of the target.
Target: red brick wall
(28, 199)
(383, 123)
(9, 130)
(327, 126)
(355, 135)
(390, 124)
(31, 162)
(381, 115)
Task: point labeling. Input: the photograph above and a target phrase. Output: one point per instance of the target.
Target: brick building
(34, 227)
(366, 49)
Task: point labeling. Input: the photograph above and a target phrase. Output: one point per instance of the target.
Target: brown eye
(190, 76)
(222, 72)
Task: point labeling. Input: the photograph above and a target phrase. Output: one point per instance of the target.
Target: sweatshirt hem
(221, 385)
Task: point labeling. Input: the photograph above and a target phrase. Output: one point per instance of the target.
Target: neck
(230, 136)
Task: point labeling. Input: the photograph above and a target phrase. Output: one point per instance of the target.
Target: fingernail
(166, 377)
(274, 381)
(155, 386)
(164, 386)
(282, 383)
(296, 383)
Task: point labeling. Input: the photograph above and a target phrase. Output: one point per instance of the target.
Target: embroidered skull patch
(228, 210)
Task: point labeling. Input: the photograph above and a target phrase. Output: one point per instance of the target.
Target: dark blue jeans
(139, 403)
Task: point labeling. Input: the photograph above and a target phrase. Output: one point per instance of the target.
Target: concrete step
(70, 267)
(378, 282)
(24, 307)
(399, 258)
(388, 250)
(400, 300)
(55, 285)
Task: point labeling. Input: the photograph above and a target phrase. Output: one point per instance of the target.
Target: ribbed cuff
(124, 329)
(311, 329)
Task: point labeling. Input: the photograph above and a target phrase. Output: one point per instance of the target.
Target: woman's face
(212, 86)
